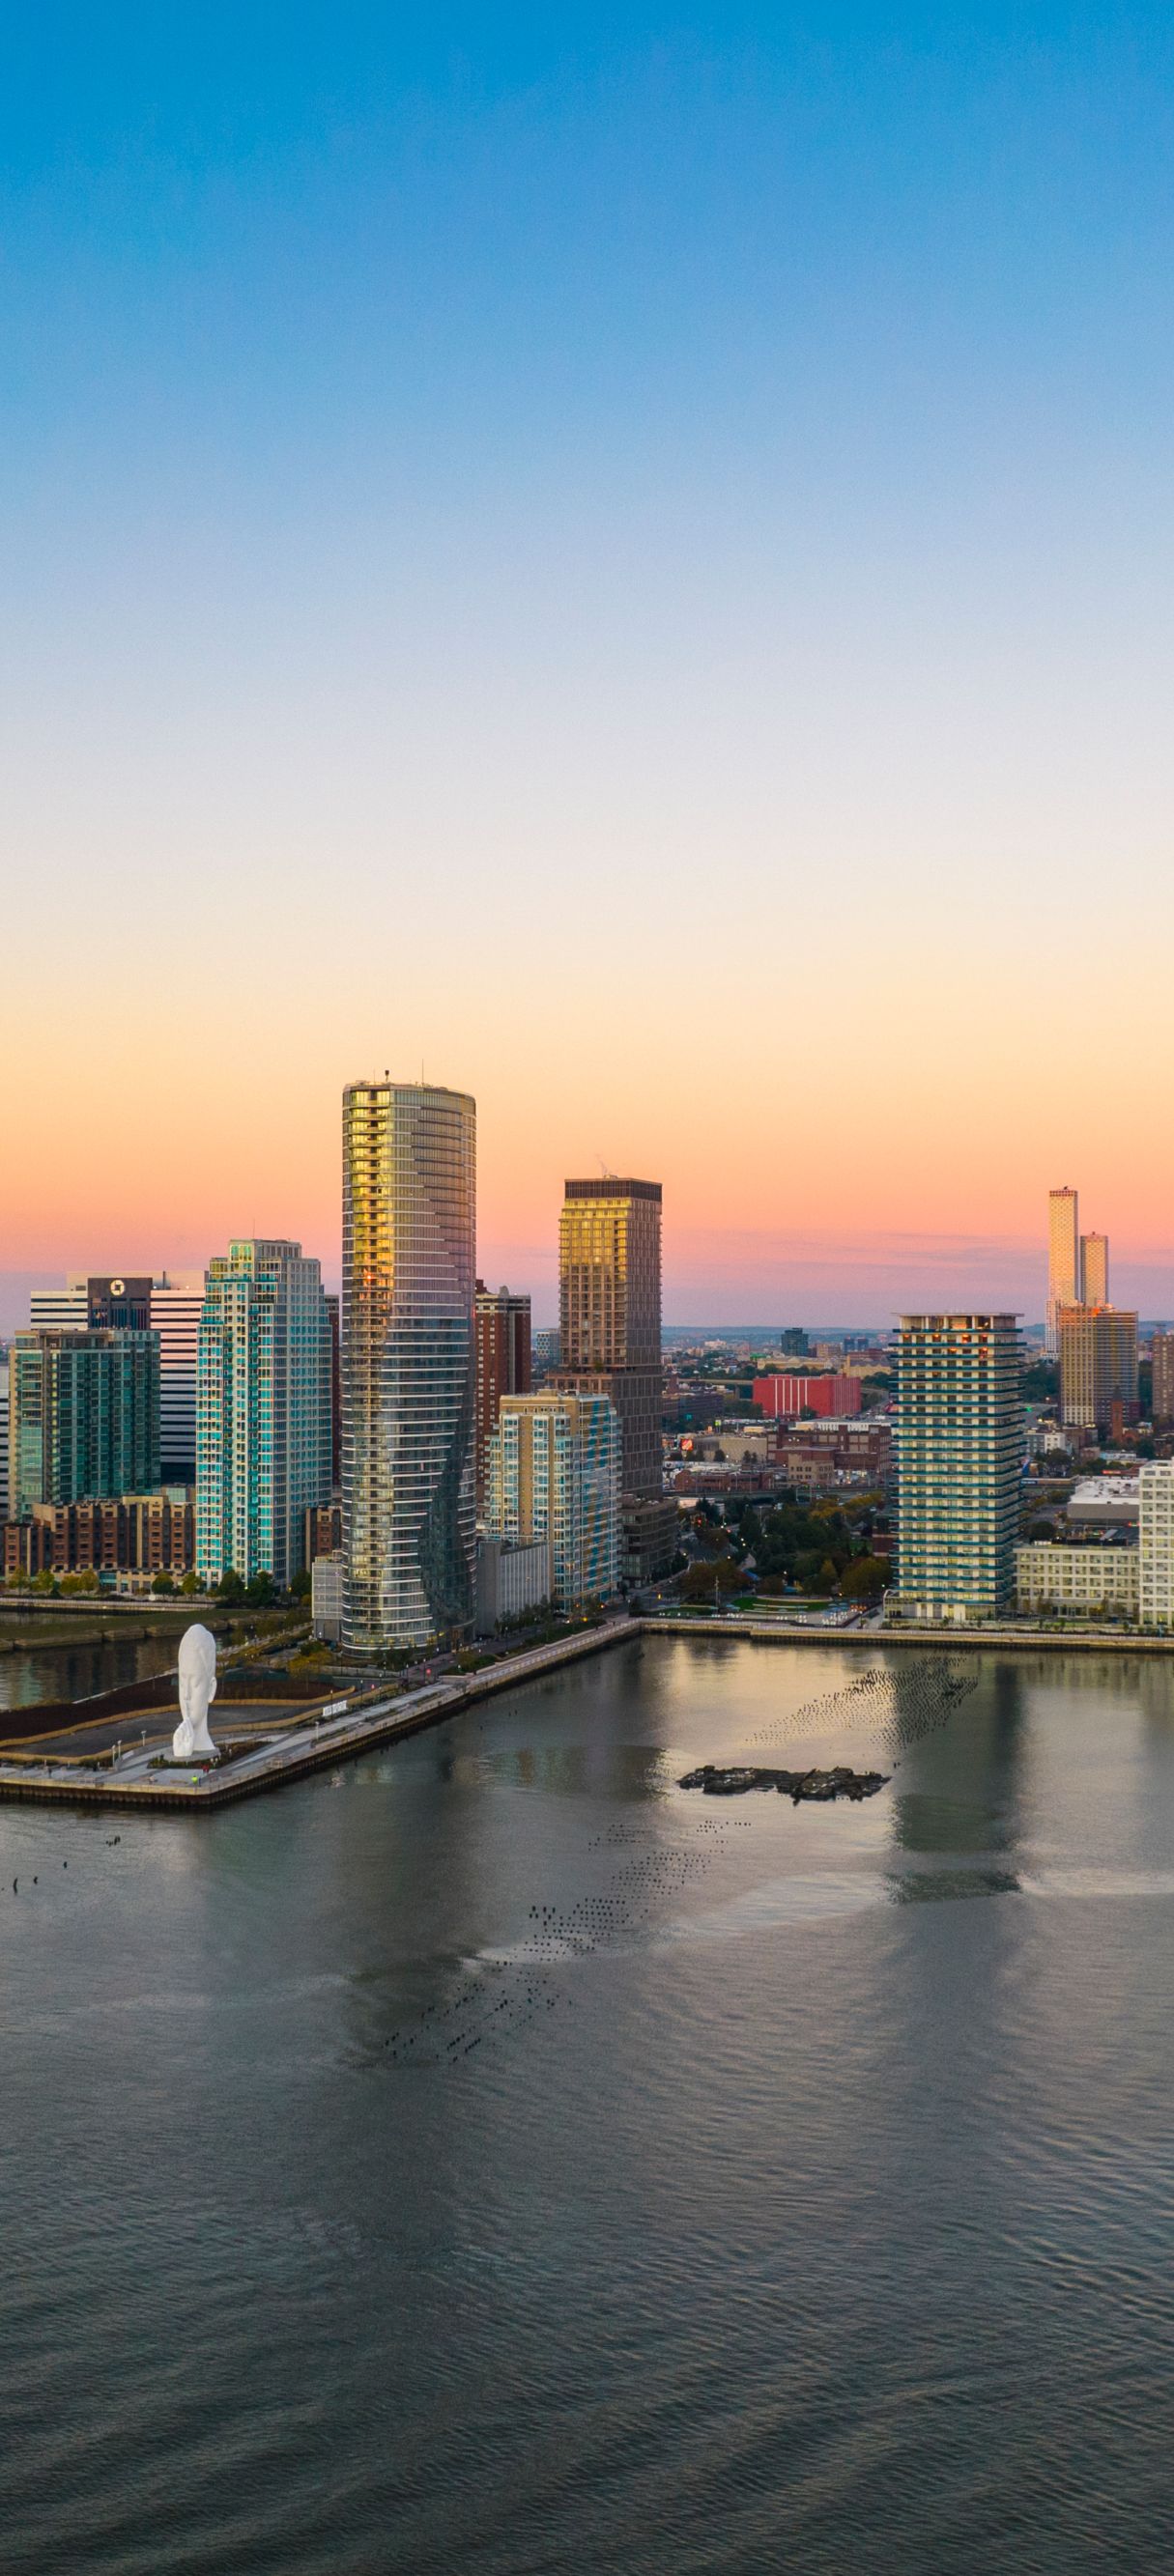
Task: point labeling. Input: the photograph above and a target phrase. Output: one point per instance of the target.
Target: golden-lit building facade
(1098, 1367)
(1064, 1285)
(1094, 1269)
(408, 1363)
(610, 1313)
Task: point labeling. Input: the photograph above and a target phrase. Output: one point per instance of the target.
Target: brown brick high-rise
(501, 1325)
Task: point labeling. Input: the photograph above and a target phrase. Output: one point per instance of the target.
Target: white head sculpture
(197, 1686)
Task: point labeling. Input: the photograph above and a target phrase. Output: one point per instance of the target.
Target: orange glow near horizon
(792, 1150)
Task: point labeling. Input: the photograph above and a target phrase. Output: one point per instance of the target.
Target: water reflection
(68, 1672)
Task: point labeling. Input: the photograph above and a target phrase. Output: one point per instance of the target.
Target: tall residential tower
(960, 1462)
(554, 1475)
(83, 1416)
(502, 1330)
(1063, 1262)
(609, 1297)
(408, 1363)
(263, 1410)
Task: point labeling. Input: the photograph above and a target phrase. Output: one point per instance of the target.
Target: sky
(622, 558)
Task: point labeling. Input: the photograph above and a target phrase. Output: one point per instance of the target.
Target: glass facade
(83, 1416)
(408, 1363)
(262, 1410)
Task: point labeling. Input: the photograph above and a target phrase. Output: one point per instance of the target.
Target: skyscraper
(960, 1413)
(263, 1410)
(169, 1307)
(554, 1475)
(1094, 1269)
(502, 1330)
(1098, 1367)
(408, 1362)
(610, 1324)
(83, 1417)
(1064, 1286)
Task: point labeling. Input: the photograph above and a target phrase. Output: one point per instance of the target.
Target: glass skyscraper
(262, 1410)
(83, 1416)
(408, 1363)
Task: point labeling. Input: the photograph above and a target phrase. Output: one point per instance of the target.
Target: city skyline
(767, 1280)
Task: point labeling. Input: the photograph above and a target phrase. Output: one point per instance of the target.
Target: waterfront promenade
(333, 1730)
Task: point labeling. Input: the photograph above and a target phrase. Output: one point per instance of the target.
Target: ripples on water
(512, 2162)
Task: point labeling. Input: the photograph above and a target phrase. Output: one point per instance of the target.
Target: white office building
(1088, 1579)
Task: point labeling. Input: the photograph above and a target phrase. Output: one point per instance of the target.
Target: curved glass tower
(408, 1365)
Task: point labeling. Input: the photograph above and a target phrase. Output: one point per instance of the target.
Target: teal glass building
(262, 1410)
(83, 1417)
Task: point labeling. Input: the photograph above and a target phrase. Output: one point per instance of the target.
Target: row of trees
(63, 1586)
(260, 1594)
(820, 1547)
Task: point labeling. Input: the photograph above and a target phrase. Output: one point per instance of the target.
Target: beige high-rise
(609, 1299)
(1094, 1269)
(1063, 1262)
(1098, 1367)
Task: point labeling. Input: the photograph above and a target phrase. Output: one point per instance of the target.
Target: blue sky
(699, 475)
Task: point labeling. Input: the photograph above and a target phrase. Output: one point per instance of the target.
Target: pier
(91, 1764)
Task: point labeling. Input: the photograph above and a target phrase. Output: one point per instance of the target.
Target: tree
(162, 1583)
(191, 1583)
(865, 1578)
(301, 1585)
(261, 1592)
(698, 1584)
(230, 1586)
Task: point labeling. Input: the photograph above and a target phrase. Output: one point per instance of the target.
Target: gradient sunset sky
(622, 557)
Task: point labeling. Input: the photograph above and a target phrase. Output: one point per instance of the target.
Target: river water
(65, 1671)
(493, 2157)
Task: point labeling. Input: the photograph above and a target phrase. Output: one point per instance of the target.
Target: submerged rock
(813, 1788)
